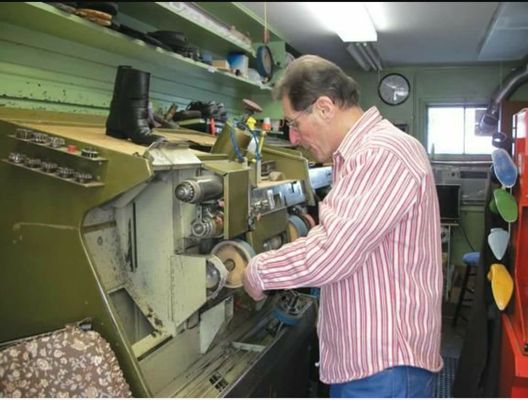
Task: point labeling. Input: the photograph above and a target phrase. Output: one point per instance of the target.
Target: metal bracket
(257, 348)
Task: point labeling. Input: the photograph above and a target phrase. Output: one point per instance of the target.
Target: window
(453, 130)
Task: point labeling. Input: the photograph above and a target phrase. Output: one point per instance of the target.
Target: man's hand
(254, 292)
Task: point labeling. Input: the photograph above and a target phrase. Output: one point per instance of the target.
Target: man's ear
(326, 107)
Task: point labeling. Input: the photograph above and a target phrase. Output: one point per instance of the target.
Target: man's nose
(295, 138)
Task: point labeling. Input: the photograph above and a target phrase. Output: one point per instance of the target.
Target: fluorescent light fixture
(365, 55)
(350, 21)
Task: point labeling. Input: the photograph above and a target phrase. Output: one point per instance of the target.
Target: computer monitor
(449, 201)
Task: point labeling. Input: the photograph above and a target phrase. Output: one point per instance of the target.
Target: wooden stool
(472, 261)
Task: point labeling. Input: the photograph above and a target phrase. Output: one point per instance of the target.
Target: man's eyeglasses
(292, 123)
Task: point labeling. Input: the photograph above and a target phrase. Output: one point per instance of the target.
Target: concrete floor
(452, 337)
(452, 340)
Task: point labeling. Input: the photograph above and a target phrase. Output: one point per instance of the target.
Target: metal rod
(358, 57)
(374, 56)
(362, 49)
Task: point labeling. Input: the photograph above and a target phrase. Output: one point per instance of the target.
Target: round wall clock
(265, 62)
(394, 89)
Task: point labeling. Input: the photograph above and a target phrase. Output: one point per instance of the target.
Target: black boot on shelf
(128, 118)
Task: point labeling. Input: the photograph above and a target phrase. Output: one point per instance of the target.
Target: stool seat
(471, 258)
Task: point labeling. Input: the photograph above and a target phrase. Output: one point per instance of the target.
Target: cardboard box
(221, 64)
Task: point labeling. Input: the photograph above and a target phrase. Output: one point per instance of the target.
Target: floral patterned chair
(70, 362)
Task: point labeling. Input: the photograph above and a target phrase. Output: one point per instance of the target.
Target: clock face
(394, 89)
(265, 62)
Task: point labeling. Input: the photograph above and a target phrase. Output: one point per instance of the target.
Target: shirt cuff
(252, 275)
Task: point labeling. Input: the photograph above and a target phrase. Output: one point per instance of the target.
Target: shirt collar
(367, 121)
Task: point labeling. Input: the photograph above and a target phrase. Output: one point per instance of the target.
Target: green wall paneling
(435, 84)
(66, 63)
(472, 221)
(429, 84)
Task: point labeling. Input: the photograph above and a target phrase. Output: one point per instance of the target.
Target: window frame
(454, 156)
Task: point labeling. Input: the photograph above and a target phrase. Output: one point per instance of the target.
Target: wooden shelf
(52, 175)
(163, 16)
(50, 20)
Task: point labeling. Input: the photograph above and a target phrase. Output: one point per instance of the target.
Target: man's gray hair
(310, 77)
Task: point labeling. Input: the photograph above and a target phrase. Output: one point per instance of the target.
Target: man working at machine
(376, 253)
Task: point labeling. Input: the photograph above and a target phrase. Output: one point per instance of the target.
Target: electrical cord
(253, 134)
(257, 142)
(466, 237)
(234, 143)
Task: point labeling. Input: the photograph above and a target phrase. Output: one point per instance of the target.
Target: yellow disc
(235, 256)
(501, 285)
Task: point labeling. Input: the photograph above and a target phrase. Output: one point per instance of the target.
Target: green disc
(506, 205)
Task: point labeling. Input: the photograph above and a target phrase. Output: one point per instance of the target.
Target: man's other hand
(254, 292)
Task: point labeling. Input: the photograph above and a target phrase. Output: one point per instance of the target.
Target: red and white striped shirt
(376, 255)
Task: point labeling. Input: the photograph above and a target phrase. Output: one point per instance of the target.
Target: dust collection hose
(200, 189)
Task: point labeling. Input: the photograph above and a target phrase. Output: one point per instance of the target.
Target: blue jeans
(391, 382)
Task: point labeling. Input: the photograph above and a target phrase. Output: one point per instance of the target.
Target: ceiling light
(350, 21)
(365, 55)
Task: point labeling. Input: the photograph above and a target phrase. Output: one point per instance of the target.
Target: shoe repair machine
(150, 243)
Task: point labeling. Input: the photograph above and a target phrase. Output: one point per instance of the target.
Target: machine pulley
(235, 255)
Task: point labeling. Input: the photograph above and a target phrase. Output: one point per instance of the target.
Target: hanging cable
(234, 143)
(266, 38)
(255, 138)
(257, 142)
(466, 237)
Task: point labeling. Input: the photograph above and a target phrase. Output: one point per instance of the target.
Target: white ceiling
(413, 33)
